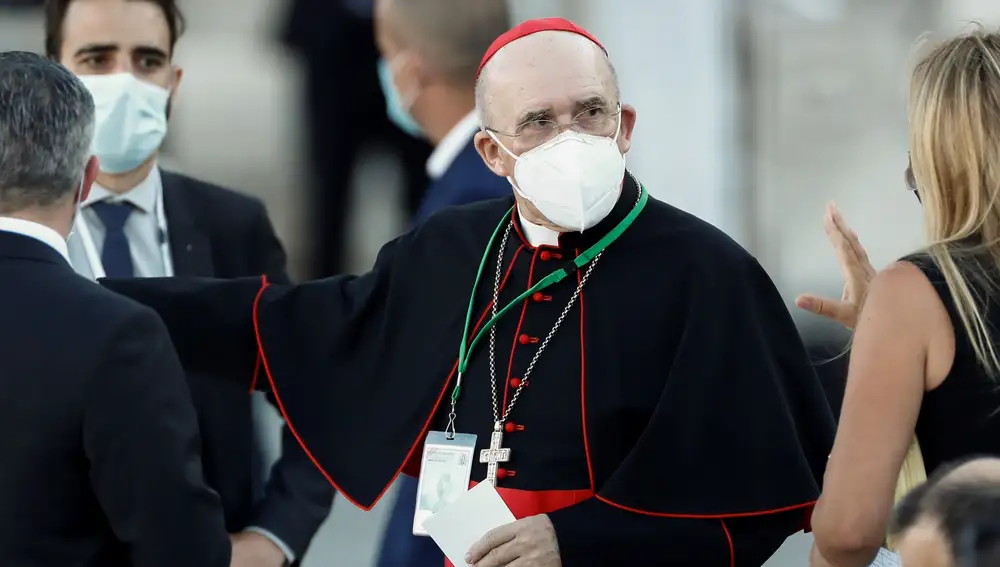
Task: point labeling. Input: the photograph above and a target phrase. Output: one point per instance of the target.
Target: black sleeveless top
(961, 417)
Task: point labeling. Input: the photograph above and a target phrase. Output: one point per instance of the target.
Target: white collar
(451, 145)
(38, 231)
(537, 235)
(143, 196)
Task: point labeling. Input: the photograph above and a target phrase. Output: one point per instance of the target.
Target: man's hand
(854, 264)
(251, 549)
(530, 542)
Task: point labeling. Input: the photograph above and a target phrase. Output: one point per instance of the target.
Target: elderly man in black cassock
(647, 390)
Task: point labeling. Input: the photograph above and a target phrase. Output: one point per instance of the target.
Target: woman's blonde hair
(954, 115)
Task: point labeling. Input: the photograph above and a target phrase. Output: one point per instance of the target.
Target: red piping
(583, 385)
(517, 332)
(729, 540)
(706, 516)
(262, 362)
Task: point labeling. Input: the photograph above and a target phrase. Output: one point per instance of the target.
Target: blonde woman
(924, 356)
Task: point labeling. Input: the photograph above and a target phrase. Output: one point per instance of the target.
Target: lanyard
(94, 258)
(465, 348)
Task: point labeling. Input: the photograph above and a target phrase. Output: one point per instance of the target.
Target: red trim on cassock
(517, 229)
(807, 525)
(262, 362)
(256, 366)
(583, 383)
(707, 516)
(520, 322)
(729, 540)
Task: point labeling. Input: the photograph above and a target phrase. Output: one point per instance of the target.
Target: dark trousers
(400, 548)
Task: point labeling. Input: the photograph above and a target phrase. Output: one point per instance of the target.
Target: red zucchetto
(534, 26)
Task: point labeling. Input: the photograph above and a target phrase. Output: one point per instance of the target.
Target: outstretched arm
(210, 321)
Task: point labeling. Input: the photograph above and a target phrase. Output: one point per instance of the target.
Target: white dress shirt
(39, 232)
(538, 235)
(451, 145)
(141, 228)
(144, 235)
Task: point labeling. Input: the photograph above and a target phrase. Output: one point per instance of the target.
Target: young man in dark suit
(430, 55)
(100, 452)
(142, 221)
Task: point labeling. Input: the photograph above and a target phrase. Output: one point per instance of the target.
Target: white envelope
(457, 527)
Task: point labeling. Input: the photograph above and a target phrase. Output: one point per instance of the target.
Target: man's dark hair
(967, 512)
(55, 14)
(46, 126)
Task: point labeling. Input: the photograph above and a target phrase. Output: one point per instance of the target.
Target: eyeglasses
(596, 121)
(908, 178)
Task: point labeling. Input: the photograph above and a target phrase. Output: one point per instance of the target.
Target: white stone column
(676, 62)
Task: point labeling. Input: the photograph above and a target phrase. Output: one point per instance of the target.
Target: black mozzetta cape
(674, 417)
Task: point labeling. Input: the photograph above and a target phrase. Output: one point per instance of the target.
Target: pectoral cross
(494, 455)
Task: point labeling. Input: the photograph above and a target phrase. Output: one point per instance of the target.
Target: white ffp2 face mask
(574, 179)
(131, 120)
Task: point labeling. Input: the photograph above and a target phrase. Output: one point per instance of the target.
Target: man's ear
(89, 176)
(627, 117)
(178, 75)
(491, 153)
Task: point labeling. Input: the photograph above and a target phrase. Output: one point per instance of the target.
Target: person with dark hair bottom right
(102, 463)
(953, 520)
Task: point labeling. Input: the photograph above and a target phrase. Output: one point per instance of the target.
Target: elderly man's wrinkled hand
(530, 542)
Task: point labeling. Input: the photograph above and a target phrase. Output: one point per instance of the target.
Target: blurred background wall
(752, 114)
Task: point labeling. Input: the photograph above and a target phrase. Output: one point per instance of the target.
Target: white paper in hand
(886, 558)
(466, 520)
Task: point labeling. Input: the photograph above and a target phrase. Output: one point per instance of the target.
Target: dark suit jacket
(215, 232)
(467, 180)
(100, 441)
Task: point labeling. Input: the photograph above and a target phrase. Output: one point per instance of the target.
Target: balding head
(449, 36)
(953, 519)
(541, 77)
(543, 66)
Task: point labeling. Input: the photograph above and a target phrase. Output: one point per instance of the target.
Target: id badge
(445, 470)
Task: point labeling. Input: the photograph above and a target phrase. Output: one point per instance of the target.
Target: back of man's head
(953, 520)
(449, 35)
(46, 125)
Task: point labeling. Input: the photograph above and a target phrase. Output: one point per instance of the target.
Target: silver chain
(497, 418)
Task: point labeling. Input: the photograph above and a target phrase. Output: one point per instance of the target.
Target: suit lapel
(189, 246)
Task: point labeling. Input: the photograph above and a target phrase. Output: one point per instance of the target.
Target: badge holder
(445, 471)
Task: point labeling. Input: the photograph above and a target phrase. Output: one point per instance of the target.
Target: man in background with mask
(430, 54)
(142, 221)
(100, 445)
(624, 374)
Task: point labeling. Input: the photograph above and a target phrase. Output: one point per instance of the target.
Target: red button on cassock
(515, 382)
(545, 255)
(537, 296)
(524, 339)
(501, 474)
(509, 427)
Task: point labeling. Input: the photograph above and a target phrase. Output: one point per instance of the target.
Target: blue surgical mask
(394, 107)
(131, 120)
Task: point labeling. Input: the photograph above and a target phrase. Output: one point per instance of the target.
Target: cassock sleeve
(321, 349)
(733, 455)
